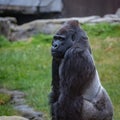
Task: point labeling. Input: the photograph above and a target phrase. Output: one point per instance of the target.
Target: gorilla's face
(62, 41)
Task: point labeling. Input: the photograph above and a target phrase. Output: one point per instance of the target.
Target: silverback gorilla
(77, 93)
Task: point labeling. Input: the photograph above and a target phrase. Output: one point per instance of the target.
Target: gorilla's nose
(55, 45)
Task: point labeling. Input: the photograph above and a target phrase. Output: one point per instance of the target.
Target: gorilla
(77, 93)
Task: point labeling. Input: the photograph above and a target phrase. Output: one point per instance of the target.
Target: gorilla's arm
(77, 71)
(55, 84)
(55, 80)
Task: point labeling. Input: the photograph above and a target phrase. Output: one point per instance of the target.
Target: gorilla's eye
(59, 37)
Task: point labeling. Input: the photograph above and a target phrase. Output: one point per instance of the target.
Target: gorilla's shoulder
(76, 52)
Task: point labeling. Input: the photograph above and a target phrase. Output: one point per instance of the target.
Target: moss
(4, 98)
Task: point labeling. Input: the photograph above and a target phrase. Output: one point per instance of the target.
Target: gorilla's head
(66, 37)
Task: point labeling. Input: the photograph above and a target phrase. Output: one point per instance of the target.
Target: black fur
(73, 70)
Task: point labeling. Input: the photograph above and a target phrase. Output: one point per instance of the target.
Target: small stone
(12, 118)
(17, 101)
(19, 104)
(23, 108)
(29, 112)
(18, 94)
(33, 115)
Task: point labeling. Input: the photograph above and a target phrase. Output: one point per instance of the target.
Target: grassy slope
(26, 66)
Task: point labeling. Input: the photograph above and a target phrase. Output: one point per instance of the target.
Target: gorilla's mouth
(57, 54)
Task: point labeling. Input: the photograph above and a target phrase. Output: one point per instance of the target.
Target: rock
(118, 12)
(49, 26)
(17, 94)
(108, 20)
(23, 108)
(20, 105)
(12, 118)
(27, 30)
(17, 101)
(6, 25)
(10, 19)
(111, 16)
(14, 93)
(29, 112)
(88, 19)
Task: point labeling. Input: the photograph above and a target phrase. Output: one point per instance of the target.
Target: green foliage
(26, 66)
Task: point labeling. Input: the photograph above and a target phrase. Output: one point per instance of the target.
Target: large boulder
(6, 25)
(48, 26)
(25, 31)
(15, 32)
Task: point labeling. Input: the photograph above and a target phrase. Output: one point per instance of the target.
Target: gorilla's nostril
(55, 45)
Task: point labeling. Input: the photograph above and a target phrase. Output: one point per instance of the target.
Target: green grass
(26, 66)
(5, 106)
(102, 30)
